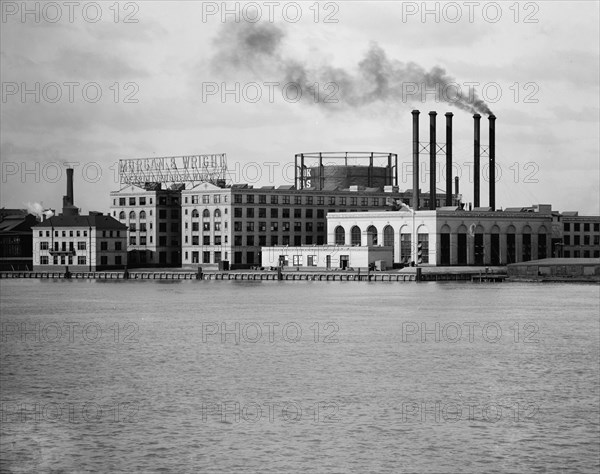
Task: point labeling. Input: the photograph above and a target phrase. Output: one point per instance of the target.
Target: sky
(89, 83)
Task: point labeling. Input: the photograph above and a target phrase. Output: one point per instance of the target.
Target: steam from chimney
(256, 47)
(36, 209)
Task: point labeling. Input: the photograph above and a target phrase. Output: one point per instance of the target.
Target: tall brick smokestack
(69, 208)
(492, 152)
(415, 170)
(476, 158)
(432, 160)
(449, 116)
(70, 186)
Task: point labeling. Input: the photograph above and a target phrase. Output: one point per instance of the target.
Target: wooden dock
(262, 275)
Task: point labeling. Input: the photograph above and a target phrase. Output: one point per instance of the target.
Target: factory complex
(345, 210)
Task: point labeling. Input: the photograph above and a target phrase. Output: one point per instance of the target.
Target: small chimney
(492, 161)
(449, 158)
(415, 170)
(476, 156)
(432, 160)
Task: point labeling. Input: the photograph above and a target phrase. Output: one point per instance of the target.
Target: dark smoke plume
(256, 48)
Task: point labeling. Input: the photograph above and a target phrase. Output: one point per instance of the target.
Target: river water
(189, 376)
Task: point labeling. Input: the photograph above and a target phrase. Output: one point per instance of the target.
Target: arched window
(142, 214)
(371, 235)
(340, 235)
(217, 213)
(388, 236)
(195, 213)
(132, 215)
(355, 236)
(206, 213)
(122, 215)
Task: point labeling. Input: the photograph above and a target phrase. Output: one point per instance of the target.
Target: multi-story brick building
(233, 223)
(581, 236)
(81, 242)
(153, 219)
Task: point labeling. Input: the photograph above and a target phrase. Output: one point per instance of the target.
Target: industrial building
(329, 257)
(208, 222)
(16, 243)
(81, 242)
(452, 235)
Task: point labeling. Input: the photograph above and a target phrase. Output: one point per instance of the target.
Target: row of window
(582, 254)
(577, 226)
(81, 260)
(217, 199)
(577, 240)
(309, 200)
(141, 201)
(274, 213)
(162, 214)
(205, 226)
(143, 240)
(274, 226)
(206, 257)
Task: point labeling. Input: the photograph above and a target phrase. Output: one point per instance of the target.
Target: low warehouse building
(330, 257)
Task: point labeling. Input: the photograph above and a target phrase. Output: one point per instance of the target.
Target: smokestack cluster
(432, 160)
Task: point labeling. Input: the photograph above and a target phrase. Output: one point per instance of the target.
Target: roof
(99, 221)
(13, 223)
(561, 261)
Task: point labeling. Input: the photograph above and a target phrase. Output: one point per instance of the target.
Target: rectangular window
(332, 200)
(217, 199)
(297, 213)
(262, 226)
(262, 212)
(309, 200)
(237, 226)
(117, 245)
(297, 240)
(586, 227)
(250, 198)
(132, 201)
(309, 226)
(121, 201)
(285, 213)
(44, 260)
(206, 226)
(206, 240)
(195, 240)
(342, 201)
(309, 213)
(274, 240)
(285, 199)
(237, 198)
(142, 201)
(262, 198)
(195, 199)
(117, 260)
(143, 227)
(320, 200)
(217, 240)
(297, 260)
(205, 199)
(250, 240)
(81, 260)
(311, 260)
(274, 226)
(44, 245)
(143, 240)
(274, 199)
(297, 226)
(274, 213)
(237, 212)
(217, 226)
(81, 245)
(205, 257)
(237, 240)
(262, 240)
(285, 226)
(103, 245)
(162, 227)
(250, 212)
(250, 226)
(297, 199)
(405, 250)
(103, 260)
(320, 213)
(353, 201)
(133, 240)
